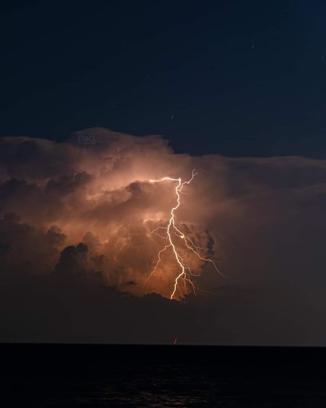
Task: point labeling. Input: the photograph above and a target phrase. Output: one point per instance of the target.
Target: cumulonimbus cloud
(84, 210)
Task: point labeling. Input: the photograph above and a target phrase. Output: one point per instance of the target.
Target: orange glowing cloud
(129, 199)
(148, 222)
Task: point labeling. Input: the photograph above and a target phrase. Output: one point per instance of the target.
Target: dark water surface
(161, 376)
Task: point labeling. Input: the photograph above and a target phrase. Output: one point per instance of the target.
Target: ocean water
(161, 376)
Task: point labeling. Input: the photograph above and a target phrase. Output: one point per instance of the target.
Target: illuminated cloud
(84, 213)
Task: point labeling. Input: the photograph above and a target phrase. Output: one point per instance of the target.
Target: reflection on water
(167, 378)
(183, 391)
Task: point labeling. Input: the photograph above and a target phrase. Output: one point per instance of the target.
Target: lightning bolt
(172, 232)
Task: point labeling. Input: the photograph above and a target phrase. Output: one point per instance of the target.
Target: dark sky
(224, 78)
(230, 77)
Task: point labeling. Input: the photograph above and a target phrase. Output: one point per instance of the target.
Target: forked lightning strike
(173, 230)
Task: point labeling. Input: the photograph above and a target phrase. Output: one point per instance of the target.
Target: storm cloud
(77, 243)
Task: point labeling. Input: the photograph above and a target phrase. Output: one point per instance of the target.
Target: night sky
(163, 172)
(228, 77)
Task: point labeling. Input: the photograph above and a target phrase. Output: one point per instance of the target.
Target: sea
(81, 375)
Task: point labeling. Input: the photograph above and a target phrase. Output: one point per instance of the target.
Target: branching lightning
(173, 232)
